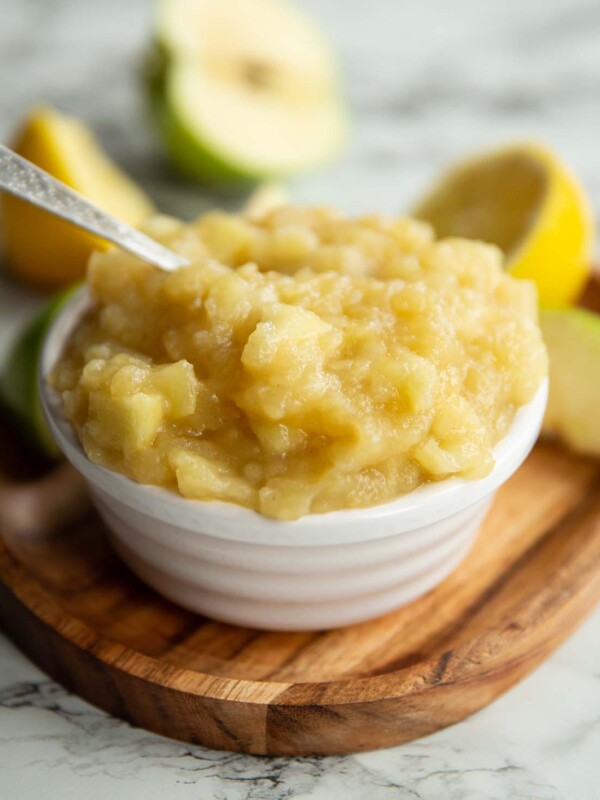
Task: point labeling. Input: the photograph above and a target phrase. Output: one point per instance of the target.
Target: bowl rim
(424, 506)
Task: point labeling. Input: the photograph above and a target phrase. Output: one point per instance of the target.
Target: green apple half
(572, 336)
(244, 90)
(18, 384)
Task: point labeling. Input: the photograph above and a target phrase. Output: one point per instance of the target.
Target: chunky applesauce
(304, 362)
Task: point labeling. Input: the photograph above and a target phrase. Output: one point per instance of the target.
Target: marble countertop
(426, 82)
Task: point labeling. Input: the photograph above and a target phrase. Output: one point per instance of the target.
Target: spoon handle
(30, 183)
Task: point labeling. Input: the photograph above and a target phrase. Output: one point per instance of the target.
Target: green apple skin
(572, 337)
(18, 384)
(188, 154)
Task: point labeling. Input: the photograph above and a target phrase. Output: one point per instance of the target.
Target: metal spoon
(30, 183)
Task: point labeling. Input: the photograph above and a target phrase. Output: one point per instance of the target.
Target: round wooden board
(534, 573)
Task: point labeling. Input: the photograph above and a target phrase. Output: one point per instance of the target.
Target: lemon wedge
(39, 248)
(526, 201)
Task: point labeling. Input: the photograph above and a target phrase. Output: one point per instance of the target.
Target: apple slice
(244, 90)
(572, 336)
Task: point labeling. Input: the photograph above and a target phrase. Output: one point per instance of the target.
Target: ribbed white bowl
(321, 571)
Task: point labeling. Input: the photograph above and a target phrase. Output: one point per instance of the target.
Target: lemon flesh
(526, 201)
(39, 248)
(244, 90)
(573, 339)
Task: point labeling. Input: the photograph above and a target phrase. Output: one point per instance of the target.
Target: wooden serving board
(71, 605)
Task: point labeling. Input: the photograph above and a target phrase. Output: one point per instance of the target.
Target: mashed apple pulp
(304, 362)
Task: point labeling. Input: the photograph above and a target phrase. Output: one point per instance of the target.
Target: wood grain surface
(534, 573)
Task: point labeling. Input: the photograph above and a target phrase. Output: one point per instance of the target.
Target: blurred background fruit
(18, 384)
(526, 201)
(572, 336)
(243, 90)
(265, 198)
(39, 248)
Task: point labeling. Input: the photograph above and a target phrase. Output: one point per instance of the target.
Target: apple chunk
(131, 421)
(177, 382)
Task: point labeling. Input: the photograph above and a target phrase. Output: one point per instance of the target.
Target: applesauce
(303, 362)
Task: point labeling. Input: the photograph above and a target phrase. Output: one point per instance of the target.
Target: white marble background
(426, 80)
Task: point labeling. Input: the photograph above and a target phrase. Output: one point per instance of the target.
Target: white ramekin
(320, 571)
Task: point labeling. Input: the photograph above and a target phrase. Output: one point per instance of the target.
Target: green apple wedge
(18, 383)
(572, 336)
(243, 90)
